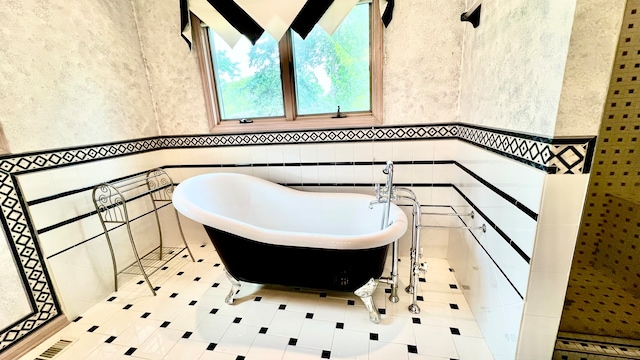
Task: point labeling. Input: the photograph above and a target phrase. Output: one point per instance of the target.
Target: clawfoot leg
(364, 293)
(235, 287)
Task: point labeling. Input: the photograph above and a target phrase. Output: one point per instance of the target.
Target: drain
(54, 350)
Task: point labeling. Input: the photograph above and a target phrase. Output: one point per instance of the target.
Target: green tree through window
(333, 71)
(328, 71)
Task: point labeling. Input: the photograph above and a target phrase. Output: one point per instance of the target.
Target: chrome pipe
(393, 297)
(388, 170)
(385, 196)
(471, 214)
(482, 227)
(416, 267)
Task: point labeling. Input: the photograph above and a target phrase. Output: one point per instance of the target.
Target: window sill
(234, 127)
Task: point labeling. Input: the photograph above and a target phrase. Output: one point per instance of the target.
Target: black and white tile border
(555, 156)
(558, 156)
(581, 348)
(26, 252)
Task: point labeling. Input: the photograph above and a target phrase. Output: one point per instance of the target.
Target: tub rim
(287, 238)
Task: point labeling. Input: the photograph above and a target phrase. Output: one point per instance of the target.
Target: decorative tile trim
(26, 251)
(554, 156)
(558, 156)
(578, 346)
(29, 162)
(21, 234)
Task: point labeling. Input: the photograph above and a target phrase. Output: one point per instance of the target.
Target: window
(295, 79)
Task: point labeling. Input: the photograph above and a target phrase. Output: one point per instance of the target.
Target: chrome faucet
(385, 195)
(388, 170)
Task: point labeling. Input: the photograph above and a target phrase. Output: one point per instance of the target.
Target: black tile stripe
(186, 166)
(77, 191)
(495, 227)
(495, 189)
(94, 212)
(97, 236)
(532, 214)
(490, 257)
(588, 161)
(489, 221)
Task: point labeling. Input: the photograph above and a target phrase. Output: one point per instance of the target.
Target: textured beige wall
(71, 74)
(513, 64)
(173, 69)
(588, 69)
(423, 49)
(421, 71)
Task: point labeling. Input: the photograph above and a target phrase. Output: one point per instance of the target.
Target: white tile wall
(36, 184)
(516, 224)
(382, 151)
(445, 149)
(326, 152)
(521, 181)
(492, 299)
(494, 303)
(537, 337)
(560, 212)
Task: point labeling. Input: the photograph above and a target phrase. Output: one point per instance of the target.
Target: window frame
(291, 119)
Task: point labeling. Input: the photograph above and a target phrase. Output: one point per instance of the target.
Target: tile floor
(188, 319)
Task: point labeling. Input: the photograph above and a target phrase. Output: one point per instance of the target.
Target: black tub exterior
(326, 269)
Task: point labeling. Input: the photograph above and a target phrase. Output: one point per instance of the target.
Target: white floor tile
(138, 332)
(316, 334)
(107, 351)
(158, 344)
(259, 313)
(470, 348)
(237, 339)
(212, 328)
(100, 313)
(349, 344)
(302, 302)
(357, 319)
(119, 322)
(425, 357)
(286, 323)
(435, 341)
(190, 320)
(437, 314)
(300, 353)
(84, 346)
(212, 355)
(468, 328)
(397, 329)
(330, 310)
(186, 349)
(267, 347)
(380, 350)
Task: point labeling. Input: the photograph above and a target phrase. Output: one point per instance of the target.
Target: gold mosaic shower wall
(603, 297)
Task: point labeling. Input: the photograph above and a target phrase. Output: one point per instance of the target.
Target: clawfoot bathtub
(270, 234)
